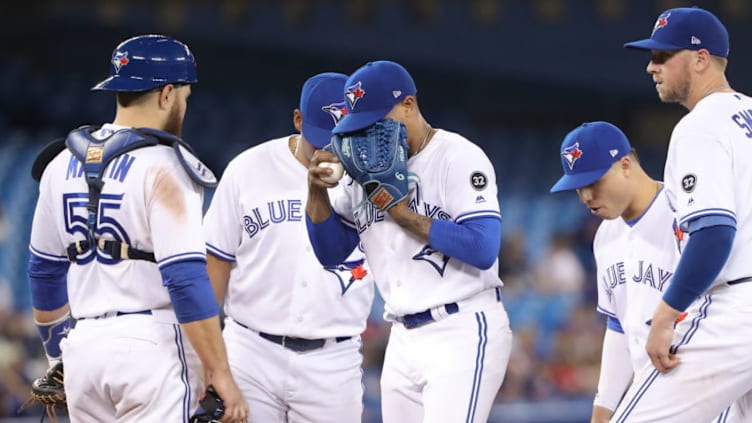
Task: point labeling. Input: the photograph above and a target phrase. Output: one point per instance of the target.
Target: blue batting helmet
(149, 61)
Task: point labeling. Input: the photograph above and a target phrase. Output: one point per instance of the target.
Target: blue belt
(418, 319)
(114, 314)
(296, 344)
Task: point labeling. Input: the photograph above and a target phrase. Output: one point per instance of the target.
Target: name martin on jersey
(118, 168)
(646, 274)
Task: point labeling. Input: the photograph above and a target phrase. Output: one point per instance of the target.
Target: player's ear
(297, 120)
(625, 164)
(702, 59)
(166, 95)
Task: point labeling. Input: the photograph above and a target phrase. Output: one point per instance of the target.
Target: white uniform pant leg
(714, 370)
(130, 369)
(448, 371)
(281, 385)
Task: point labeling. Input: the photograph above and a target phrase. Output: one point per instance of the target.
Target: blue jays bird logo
(436, 258)
(356, 272)
(336, 110)
(119, 59)
(661, 22)
(354, 93)
(571, 154)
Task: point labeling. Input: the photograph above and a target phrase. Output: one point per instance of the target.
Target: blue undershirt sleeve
(48, 283)
(703, 258)
(613, 324)
(332, 240)
(190, 290)
(475, 241)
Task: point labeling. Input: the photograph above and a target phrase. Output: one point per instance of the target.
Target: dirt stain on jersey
(167, 194)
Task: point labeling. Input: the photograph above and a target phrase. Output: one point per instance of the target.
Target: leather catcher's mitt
(376, 158)
(211, 407)
(49, 391)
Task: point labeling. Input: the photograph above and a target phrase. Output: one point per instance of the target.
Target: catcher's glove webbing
(211, 408)
(376, 158)
(49, 391)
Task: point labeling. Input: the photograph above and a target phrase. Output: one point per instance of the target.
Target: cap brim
(571, 182)
(650, 44)
(357, 121)
(317, 137)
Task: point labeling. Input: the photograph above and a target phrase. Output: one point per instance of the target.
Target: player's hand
(661, 335)
(236, 409)
(315, 172)
(601, 414)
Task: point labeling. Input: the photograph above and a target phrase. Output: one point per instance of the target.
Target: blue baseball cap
(371, 93)
(588, 152)
(686, 28)
(322, 106)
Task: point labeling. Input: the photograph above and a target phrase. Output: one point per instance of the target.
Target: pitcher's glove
(376, 158)
(49, 391)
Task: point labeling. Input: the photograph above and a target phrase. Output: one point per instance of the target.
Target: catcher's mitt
(49, 391)
(210, 408)
(376, 158)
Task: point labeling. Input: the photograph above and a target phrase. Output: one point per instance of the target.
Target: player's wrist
(665, 314)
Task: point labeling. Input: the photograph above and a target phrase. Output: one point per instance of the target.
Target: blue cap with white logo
(686, 28)
(371, 93)
(588, 152)
(322, 106)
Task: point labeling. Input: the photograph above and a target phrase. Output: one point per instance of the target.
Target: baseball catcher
(49, 391)
(376, 158)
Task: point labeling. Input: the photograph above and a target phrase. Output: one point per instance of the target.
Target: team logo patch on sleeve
(689, 182)
(478, 180)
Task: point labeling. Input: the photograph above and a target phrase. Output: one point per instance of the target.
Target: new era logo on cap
(689, 28)
(588, 152)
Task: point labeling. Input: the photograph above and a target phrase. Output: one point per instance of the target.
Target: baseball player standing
(116, 244)
(293, 326)
(433, 255)
(635, 248)
(701, 364)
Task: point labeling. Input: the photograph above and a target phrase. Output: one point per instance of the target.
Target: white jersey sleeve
(701, 186)
(175, 208)
(707, 172)
(47, 243)
(471, 190)
(605, 290)
(221, 222)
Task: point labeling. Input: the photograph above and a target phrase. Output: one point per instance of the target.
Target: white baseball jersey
(148, 201)
(635, 262)
(277, 285)
(412, 276)
(707, 171)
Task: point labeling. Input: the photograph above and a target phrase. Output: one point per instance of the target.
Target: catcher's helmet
(149, 61)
